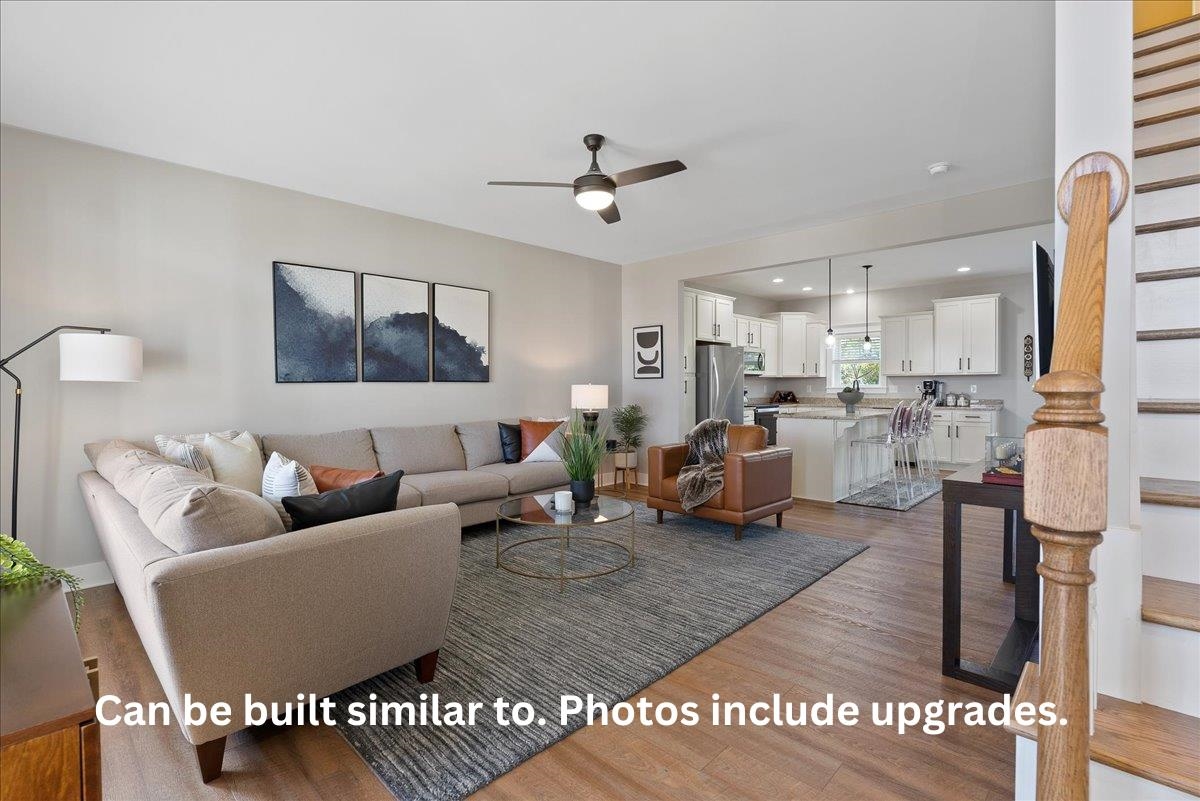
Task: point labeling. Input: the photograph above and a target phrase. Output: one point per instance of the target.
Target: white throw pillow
(184, 454)
(549, 449)
(285, 478)
(236, 462)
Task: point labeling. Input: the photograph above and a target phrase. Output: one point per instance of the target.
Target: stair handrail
(1066, 471)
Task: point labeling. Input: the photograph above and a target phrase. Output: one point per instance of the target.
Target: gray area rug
(883, 495)
(521, 638)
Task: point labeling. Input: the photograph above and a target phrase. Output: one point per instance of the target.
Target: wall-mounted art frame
(461, 333)
(648, 351)
(395, 328)
(316, 324)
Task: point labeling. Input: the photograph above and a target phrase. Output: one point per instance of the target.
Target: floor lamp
(94, 356)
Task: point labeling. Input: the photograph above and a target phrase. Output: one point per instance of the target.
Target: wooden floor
(869, 631)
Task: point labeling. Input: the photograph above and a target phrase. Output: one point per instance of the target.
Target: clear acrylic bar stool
(893, 445)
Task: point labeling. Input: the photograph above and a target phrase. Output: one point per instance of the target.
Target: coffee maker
(935, 389)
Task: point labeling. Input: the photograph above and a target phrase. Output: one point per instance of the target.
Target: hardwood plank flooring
(869, 631)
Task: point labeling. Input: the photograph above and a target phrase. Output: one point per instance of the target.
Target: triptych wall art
(409, 329)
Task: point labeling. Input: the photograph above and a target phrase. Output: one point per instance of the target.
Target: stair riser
(1167, 204)
(1166, 165)
(1163, 56)
(1167, 445)
(1169, 369)
(1189, 72)
(1167, 249)
(1168, 304)
(1166, 104)
(1164, 132)
(1171, 542)
(1170, 665)
(1169, 35)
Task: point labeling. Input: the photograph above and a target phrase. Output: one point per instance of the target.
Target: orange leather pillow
(533, 432)
(329, 478)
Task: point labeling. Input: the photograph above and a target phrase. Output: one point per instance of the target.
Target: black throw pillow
(510, 442)
(370, 497)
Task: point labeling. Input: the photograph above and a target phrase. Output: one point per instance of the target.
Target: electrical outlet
(974, 389)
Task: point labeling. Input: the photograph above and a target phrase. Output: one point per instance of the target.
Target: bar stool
(893, 443)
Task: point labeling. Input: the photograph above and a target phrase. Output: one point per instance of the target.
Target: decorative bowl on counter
(850, 399)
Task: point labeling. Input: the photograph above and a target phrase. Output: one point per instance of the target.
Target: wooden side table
(49, 736)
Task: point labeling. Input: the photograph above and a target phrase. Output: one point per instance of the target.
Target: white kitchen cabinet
(689, 332)
(943, 438)
(770, 348)
(687, 408)
(814, 348)
(960, 435)
(969, 439)
(967, 335)
(714, 318)
(749, 333)
(801, 340)
(907, 344)
(724, 315)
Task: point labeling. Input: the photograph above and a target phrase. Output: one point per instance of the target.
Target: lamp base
(590, 421)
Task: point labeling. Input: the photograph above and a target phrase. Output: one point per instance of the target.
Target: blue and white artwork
(395, 329)
(316, 337)
(460, 333)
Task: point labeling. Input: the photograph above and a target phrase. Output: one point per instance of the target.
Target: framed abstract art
(461, 326)
(315, 324)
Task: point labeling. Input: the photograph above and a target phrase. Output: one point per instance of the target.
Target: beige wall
(182, 258)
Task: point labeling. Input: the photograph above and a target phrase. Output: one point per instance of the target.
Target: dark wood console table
(1021, 554)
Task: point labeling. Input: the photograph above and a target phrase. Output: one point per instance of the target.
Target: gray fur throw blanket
(699, 482)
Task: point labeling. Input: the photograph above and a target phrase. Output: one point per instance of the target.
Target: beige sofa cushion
(419, 449)
(129, 467)
(457, 486)
(407, 497)
(189, 513)
(527, 477)
(353, 448)
(480, 442)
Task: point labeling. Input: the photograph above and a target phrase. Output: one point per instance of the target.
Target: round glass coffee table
(538, 510)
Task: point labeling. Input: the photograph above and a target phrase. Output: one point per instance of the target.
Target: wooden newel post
(1066, 473)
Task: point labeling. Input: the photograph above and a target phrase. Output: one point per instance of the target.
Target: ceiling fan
(596, 191)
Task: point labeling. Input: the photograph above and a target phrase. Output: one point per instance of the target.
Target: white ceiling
(988, 255)
(787, 114)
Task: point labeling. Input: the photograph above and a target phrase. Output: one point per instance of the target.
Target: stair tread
(1150, 94)
(1169, 116)
(1166, 26)
(1171, 603)
(1168, 406)
(1168, 274)
(1158, 48)
(1167, 66)
(1159, 334)
(1170, 492)
(1168, 183)
(1169, 147)
(1157, 744)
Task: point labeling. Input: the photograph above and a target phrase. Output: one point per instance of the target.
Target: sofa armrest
(310, 611)
(754, 479)
(665, 461)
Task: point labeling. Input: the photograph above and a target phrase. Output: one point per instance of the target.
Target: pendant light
(866, 310)
(829, 340)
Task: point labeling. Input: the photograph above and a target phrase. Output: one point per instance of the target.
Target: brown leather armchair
(758, 480)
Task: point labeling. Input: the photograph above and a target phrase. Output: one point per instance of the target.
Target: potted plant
(582, 453)
(629, 423)
(20, 568)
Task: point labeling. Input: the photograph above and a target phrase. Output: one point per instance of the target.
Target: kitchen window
(851, 361)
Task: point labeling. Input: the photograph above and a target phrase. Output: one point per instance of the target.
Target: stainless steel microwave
(754, 361)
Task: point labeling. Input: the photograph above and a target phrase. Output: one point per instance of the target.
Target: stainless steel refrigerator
(720, 374)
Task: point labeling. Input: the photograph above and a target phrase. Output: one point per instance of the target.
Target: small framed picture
(648, 351)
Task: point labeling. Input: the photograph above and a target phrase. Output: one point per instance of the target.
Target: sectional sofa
(277, 613)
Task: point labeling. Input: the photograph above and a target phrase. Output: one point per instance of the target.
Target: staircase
(1166, 206)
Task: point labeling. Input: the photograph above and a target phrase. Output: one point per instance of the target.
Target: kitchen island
(820, 438)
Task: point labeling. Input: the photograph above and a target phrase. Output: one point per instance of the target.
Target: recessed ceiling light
(776, 280)
(850, 291)
(939, 168)
(806, 289)
(964, 269)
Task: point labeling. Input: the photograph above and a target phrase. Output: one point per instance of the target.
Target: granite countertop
(811, 413)
(872, 402)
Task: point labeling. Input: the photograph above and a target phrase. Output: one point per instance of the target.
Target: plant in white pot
(629, 423)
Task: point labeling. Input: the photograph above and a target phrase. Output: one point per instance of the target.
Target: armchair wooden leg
(659, 511)
(779, 520)
(209, 756)
(426, 666)
(737, 532)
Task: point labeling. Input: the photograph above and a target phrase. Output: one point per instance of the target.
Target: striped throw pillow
(285, 478)
(184, 454)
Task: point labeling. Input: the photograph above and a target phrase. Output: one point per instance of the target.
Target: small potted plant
(629, 424)
(582, 453)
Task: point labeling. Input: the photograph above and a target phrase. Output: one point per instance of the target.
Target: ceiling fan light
(594, 198)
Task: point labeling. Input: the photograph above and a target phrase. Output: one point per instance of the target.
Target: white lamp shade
(99, 357)
(589, 396)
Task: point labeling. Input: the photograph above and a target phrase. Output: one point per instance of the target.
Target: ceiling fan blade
(527, 183)
(647, 173)
(610, 214)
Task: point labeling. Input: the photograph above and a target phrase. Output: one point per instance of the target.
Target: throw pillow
(284, 477)
(184, 454)
(329, 478)
(237, 462)
(549, 449)
(188, 513)
(533, 432)
(479, 442)
(510, 442)
(365, 498)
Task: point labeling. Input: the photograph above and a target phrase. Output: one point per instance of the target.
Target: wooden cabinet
(960, 435)
(770, 339)
(907, 344)
(689, 332)
(967, 335)
(714, 318)
(801, 344)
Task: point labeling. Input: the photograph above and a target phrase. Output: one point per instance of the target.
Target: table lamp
(589, 399)
(93, 356)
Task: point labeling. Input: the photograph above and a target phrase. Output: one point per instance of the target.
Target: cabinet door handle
(956, 432)
(960, 362)
(685, 386)
(910, 365)
(968, 362)
(685, 367)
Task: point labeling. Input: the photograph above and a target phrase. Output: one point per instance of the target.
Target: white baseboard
(93, 574)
